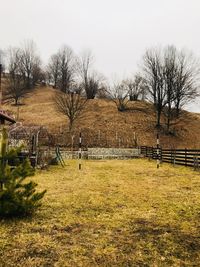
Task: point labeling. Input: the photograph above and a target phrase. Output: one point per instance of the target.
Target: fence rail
(185, 157)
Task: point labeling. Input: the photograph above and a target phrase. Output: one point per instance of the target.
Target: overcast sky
(117, 31)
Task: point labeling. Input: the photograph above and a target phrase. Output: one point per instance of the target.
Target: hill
(103, 124)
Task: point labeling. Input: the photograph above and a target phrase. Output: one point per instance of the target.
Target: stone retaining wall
(113, 152)
(101, 153)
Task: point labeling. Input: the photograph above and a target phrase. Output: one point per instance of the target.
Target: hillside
(103, 124)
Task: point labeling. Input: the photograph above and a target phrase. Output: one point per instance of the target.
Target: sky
(116, 31)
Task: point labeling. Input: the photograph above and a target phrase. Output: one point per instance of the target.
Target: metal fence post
(80, 152)
(157, 152)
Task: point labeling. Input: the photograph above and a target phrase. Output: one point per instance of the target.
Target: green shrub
(17, 197)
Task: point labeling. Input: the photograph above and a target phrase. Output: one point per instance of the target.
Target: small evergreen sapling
(17, 197)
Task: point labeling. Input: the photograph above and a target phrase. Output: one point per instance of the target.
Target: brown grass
(112, 213)
(102, 116)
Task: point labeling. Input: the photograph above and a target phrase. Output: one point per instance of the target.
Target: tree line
(167, 77)
(65, 71)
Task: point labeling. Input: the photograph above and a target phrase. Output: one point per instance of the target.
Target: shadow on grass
(168, 242)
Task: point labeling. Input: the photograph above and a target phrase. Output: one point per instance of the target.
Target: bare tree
(92, 87)
(66, 68)
(15, 84)
(181, 79)
(187, 80)
(103, 92)
(15, 90)
(84, 64)
(71, 105)
(53, 70)
(30, 61)
(91, 80)
(119, 95)
(172, 77)
(61, 68)
(153, 75)
(170, 71)
(2, 59)
(38, 75)
(137, 88)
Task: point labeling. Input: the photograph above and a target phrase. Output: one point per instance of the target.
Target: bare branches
(15, 89)
(66, 68)
(53, 71)
(30, 61)
(187, 83)
(172, 77)
(119, 94)
(71, 105)
(137, 88)
(153, 75)
(2, 59)
(61, 68)
(15, 84)
(91, 80)
(84, 64)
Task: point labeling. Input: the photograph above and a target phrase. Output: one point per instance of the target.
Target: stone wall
(113, 153)
(101, 153)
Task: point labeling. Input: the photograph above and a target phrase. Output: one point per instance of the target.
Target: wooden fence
(185, 157)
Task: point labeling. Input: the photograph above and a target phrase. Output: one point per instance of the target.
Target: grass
(111, 213)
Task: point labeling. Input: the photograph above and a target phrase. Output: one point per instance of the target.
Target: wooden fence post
(161, 154)
(185, 156)
(174, 157)
(171, 156)
(196, 163)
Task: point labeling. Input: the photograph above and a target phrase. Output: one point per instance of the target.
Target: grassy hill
(103, 124)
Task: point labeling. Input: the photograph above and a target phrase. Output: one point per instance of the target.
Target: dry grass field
(101, 116)
(111, 213)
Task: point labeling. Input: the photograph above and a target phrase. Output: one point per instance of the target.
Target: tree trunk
(177, 109)
(158, 118)
(16, 101)
(168, 118)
